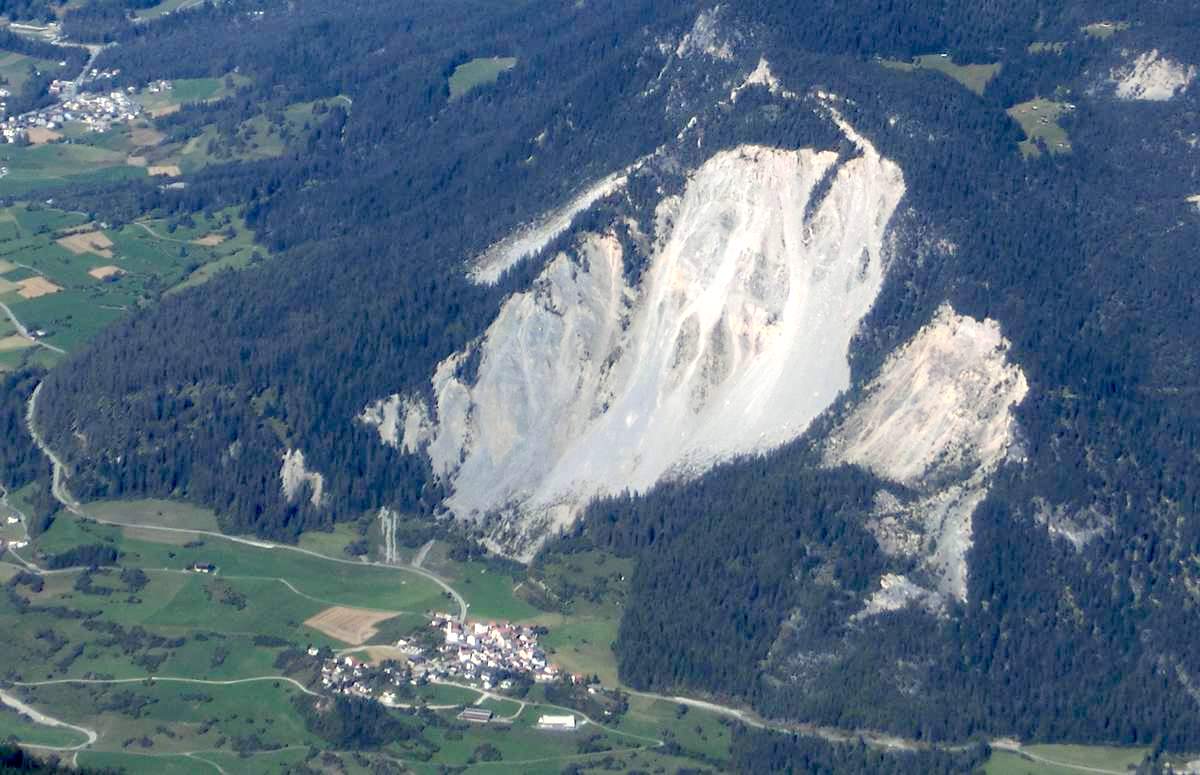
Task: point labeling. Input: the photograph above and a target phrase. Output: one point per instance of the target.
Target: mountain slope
(896, 415)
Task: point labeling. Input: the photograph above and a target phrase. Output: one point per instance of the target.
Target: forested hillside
(1073, 232)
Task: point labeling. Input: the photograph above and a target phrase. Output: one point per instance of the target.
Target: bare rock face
(1151, 76)
(937, 419)
(294, 476)
(733, 339)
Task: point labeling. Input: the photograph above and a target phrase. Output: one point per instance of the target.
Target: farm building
(556, 722)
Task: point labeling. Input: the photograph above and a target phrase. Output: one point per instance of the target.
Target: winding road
(172, 679)
(58, 488)
(17, 704)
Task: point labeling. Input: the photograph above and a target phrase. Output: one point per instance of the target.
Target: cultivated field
(102, 272)
(349, 625)
(96, 242)
(50, 262)
(39, 135)
(36, 287)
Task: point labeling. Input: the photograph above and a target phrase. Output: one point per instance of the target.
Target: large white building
(556, 722)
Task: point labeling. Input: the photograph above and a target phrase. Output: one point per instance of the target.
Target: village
(96, 111)
(483, 656)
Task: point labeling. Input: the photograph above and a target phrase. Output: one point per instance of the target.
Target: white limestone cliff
(735, 338)
(937, 419)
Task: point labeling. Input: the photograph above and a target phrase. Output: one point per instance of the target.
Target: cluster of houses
(349, 676)
(483, 655)
(483, 652)
(96, 111)
(16, 543)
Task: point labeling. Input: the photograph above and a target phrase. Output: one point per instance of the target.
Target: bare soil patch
(137, 161)
(7, 285)
(144, 136)
(87, 242)
(165, 110)
(349, 625)
(102, 272)
(168, 170)
(40, 135)
(33, 287)
(209, 240)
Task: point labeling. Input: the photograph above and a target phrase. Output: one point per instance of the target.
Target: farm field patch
(68, 278)
(95, 242)
(349, 625)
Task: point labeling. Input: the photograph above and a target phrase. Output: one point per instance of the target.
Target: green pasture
(478, 72)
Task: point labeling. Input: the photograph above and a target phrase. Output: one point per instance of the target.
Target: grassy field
(1104, 29)
(15, 69)
(235, 623)
(330, 582)
(477, 72)
(332, 543)
(974, 77)
(185, 90)
(162, 9)
(695, 730)
(1039, 120)
(38, 167)
(589, 589)
(489, 595)
(14, 726)
(164, 717)
(159, 513)
(1068, 759)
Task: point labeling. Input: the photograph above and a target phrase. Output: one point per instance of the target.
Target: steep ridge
(733, 340)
